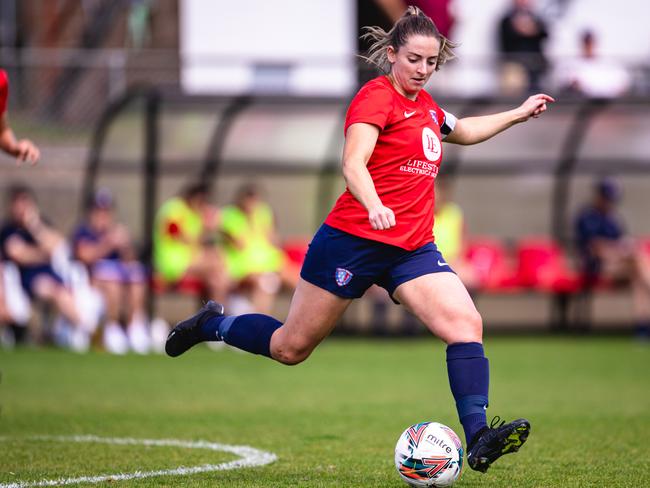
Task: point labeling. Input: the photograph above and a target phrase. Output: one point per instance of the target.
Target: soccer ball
(429, 454)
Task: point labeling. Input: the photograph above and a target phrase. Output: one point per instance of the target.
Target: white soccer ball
(429, 454)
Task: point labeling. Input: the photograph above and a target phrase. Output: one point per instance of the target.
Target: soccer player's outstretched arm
(360, 141)
(472, 130)
(23, 149)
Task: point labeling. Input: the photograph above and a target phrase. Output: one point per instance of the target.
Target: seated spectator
(449, 232)
(6, 316)
(608, 253)
(253, 260)
(593, 76)
(522, 34)
(15, 309)
(184, 243)
(105, 247)
(31, 243)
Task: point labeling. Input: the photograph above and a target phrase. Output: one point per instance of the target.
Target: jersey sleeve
(372, 105)
(4, 91)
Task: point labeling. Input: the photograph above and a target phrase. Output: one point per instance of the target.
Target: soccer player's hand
(535, 105)
(381, 218)
(26, 151)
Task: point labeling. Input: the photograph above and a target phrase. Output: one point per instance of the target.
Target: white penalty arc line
(249, 457)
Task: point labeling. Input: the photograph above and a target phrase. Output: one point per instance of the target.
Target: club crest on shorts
(343, 276)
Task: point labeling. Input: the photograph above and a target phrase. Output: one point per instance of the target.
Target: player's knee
(45, 289)
(468, 327)
(476, 325)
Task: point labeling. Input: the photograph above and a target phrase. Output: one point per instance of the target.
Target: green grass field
(332, 421)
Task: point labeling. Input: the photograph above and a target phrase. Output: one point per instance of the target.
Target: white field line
(249, 457)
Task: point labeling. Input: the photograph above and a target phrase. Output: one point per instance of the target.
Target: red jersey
(403, 165)
(4, 91)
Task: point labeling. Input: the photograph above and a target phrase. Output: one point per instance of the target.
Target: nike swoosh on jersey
(409, 114)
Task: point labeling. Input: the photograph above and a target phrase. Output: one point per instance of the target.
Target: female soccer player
(380, 232)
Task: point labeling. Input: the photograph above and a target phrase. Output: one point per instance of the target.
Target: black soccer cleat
(490, 443)
(188, 332)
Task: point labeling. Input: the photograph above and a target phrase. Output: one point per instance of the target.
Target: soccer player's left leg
(441, 301)
(490, 443)
(469, 379)
(468, 371)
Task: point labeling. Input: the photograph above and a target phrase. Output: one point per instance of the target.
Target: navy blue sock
(210, 328)
(251, 332)
(469, 378)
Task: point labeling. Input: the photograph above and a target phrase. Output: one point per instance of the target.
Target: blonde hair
(413, 22)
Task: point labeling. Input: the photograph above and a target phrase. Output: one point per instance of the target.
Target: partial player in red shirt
(379, 232)
(22, 149)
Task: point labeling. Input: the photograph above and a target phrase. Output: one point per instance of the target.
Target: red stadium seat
(296, 249)
(542, 265)
(187, 286)
(492, 263)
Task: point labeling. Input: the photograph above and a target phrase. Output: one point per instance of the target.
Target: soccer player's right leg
(312, 316)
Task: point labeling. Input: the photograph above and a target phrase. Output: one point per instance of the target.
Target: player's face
(413, 63)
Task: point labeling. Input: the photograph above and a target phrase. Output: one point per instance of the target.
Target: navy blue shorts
(347, 265)
(29, 275)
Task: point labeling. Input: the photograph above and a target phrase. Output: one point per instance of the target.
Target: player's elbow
(351, 166)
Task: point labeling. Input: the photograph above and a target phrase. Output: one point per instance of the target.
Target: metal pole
(151, 161)
(214, 155)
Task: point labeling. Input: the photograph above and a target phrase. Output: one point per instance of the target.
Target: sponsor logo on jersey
(419, 167)
(431, 145)
(409, 114)
(343, 276)
(434, 116)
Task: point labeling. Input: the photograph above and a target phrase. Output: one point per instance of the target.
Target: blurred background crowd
(188, 148)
